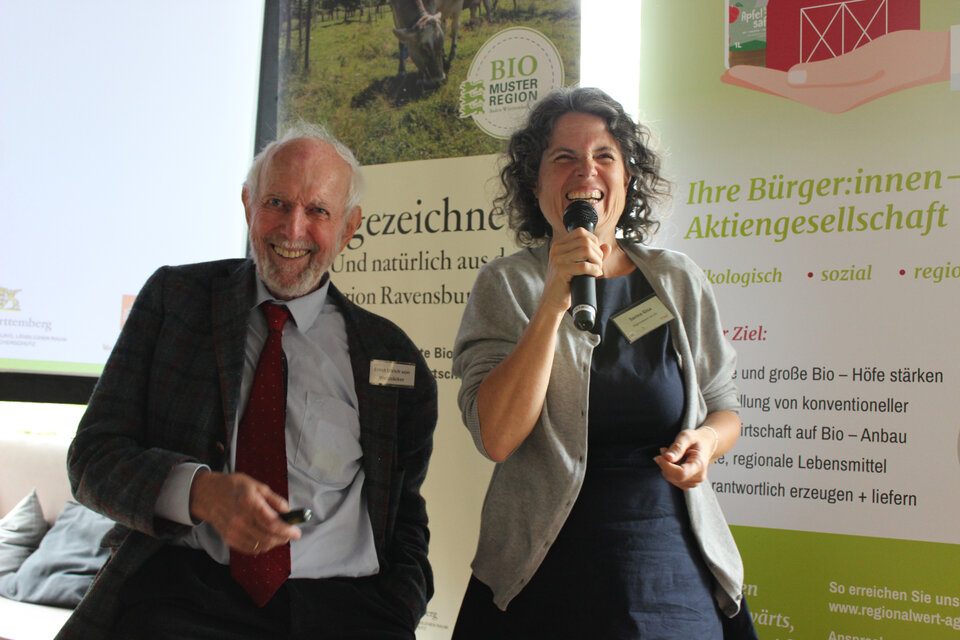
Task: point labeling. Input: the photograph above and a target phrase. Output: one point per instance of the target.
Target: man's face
(298, 220)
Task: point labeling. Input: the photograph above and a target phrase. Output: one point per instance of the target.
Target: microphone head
(584, 317)
(580, 213)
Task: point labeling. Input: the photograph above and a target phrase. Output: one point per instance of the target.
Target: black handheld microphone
(583, 289)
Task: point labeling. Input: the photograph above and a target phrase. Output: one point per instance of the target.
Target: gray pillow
(60, 571)
(20, 533)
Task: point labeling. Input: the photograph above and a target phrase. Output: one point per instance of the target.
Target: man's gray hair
(307, 130)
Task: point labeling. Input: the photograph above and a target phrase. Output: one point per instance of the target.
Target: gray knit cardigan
(532, 491)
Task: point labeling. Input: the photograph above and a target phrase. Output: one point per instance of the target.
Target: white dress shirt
(324, 457)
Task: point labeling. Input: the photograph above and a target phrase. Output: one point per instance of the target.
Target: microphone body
(583, 289)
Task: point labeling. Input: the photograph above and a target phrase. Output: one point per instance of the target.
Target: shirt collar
(304, 309)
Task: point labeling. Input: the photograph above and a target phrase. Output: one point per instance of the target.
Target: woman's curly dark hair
(519, 176)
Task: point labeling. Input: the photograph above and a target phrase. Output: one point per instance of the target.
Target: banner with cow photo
(425, 92)
(423, 79)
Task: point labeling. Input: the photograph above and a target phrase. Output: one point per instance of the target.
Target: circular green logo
(512, 70)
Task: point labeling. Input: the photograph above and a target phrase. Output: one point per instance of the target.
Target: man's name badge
(385, 373)
(642, 317)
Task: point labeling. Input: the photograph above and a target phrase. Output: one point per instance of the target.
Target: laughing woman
(599, 521)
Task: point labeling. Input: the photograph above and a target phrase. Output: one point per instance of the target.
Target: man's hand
(244, 512)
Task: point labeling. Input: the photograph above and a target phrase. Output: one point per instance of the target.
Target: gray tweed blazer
(169, 394)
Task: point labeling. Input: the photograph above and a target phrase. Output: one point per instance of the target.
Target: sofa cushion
(20, 533)
(60, 571)
(34, 462)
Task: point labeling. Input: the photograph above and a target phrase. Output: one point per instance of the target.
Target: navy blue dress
(625, 564)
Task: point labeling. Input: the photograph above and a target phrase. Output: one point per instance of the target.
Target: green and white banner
(813, 148)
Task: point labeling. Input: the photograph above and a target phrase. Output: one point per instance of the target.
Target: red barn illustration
(810, 30)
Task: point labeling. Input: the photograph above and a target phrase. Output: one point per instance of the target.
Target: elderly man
(238, 391)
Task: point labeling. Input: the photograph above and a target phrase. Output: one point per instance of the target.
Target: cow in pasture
(419, 30)
(419, 26)
(474, 6)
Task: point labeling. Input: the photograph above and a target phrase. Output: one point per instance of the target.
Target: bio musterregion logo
(512, 70)
(8, 299)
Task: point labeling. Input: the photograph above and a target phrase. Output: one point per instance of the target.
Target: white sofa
(32, 462)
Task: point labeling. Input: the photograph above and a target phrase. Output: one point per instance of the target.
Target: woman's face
(582, 162)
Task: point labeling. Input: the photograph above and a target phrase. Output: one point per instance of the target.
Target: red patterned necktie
(262, 454)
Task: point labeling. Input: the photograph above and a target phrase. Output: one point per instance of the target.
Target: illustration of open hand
(893, 62)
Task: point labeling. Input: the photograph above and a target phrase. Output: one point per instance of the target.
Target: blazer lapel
(232, 297)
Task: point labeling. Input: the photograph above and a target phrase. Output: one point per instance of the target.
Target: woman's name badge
(642, 317)
(386, 373)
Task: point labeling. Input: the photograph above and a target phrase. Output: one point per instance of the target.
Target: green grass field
(351, 84)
